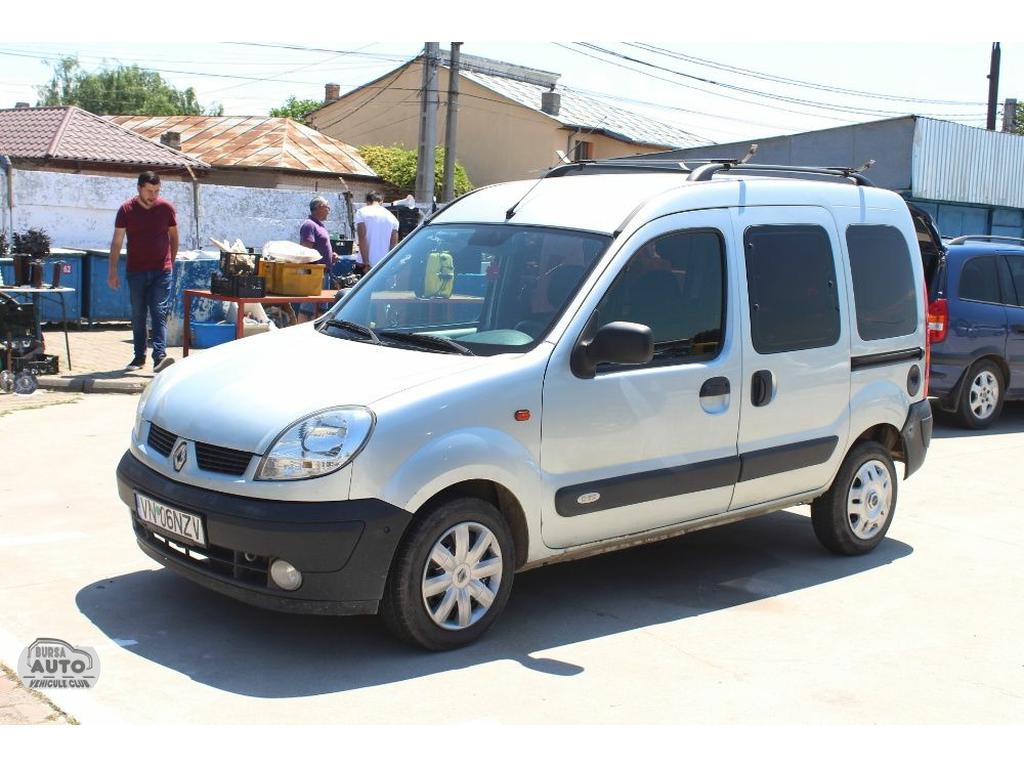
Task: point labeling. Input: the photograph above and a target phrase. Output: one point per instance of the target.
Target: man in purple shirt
(313, 234)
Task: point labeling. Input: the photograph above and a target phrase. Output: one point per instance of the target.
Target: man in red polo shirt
(151, 225)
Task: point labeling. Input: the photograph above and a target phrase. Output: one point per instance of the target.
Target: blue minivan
(976, 327)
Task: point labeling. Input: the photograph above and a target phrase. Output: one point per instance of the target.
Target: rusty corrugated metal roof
(72, 134)
(260, 142)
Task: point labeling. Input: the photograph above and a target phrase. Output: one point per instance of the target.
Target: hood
(241, 395)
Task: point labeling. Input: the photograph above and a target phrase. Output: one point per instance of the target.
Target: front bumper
(343, 548)
(917, 435)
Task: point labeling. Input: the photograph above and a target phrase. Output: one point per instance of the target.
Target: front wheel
(452, 575)
(855, 513)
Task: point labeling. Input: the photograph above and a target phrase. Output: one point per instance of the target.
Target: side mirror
(619, 342)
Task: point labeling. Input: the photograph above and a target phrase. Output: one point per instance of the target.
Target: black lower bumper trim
(343, 549)
(917, 435)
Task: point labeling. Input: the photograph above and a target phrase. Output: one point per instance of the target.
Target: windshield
(491, 288)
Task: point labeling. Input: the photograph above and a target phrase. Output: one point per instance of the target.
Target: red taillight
(938, 321)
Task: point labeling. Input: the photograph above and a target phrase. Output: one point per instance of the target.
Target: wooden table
(324, 297)
(35, 293)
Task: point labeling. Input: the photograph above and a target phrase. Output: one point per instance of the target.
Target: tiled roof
(71, 133)
(260, 142)
(587, 112)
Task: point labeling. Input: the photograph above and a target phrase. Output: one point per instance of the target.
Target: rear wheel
(452, 576)
(981, 399)
(855, 513)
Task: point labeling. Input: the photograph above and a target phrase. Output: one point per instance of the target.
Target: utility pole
(1009, 115)
(428, 126)
(450, 126)
(993, 87)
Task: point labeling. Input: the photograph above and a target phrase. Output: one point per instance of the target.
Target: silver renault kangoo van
(546, 370)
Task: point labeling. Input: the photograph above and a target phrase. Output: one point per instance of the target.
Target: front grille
(228, 461)
(238, 566)
(161, 440)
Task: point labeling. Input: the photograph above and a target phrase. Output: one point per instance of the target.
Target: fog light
(285, 575)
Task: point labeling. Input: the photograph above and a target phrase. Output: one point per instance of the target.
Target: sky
(716, 84)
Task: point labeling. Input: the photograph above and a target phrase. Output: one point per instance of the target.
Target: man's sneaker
(136, 365)
(163, 362)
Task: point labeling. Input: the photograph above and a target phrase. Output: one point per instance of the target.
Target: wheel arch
(493, 493)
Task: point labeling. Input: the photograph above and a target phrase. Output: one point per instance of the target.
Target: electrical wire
(762, 94)
(791, 81)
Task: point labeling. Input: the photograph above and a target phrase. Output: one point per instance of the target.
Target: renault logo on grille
(180, 455)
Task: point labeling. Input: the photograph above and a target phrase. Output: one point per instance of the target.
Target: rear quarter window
(883, 282)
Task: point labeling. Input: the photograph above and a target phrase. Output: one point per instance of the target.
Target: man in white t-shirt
(376, 228)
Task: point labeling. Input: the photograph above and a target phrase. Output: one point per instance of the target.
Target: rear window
(883, 282)
(791, 287)
(979, 280)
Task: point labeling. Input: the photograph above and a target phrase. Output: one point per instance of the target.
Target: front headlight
(317, 444)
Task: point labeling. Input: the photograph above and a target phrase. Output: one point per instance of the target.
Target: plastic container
(244, 286)
(205, 335)
(297, 279)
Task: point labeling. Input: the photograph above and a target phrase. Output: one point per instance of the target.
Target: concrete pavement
(749, 623)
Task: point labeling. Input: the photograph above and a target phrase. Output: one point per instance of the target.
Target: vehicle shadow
(1011, 422)
(241, 649)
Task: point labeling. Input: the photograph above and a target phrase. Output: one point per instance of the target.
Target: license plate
(182, 525)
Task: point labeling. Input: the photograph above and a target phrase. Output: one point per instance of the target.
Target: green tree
(397, 165)
(123, 90)
(1019, 127)
(297, 109)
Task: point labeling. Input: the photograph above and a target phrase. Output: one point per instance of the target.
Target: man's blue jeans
(150, 293)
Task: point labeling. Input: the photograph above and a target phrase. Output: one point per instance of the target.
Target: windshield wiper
(362, 330)
(430, 342)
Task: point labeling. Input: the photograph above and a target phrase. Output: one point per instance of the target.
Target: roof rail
(988, 238)
(706, 172)
(587, 167)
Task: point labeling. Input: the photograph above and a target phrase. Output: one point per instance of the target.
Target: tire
(982, 395)
(445, 602)
(856, 512)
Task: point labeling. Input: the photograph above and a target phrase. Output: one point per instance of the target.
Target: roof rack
(703, 169)
(987, 238)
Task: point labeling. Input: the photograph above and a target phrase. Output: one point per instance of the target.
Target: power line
(870, 111)
(791, 81)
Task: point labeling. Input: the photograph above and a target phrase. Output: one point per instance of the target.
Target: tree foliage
(123, 90)
(297, 109)
(1019, 127)
(397, 165)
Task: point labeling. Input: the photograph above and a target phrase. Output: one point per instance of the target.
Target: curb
(88, 384)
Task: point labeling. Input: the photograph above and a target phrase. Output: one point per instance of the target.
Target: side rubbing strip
(783, 458)
(886, 358)
(663, 483)
(647, 486)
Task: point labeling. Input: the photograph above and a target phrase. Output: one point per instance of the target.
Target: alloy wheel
(984, 395)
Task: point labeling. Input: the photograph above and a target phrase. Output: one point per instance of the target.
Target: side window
(675, 285)
(883, 282)
(979, 280)
(791, 287)
(1016, 264)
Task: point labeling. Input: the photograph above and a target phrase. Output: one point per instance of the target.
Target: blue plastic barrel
(99, 301)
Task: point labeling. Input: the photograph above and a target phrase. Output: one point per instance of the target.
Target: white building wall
(77, 210)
